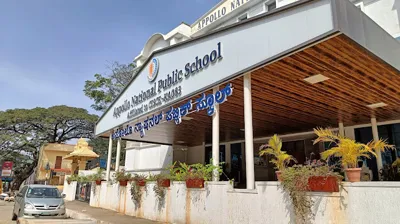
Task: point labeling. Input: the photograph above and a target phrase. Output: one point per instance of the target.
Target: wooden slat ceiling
(284, 103)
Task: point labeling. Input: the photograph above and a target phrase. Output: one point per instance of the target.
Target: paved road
(5, 212)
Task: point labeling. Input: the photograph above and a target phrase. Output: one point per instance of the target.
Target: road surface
(5, 212)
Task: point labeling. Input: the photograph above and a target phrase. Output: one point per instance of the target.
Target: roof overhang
(247, 47)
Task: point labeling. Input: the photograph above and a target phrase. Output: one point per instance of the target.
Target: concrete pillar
(118, 157)
(215, 138)
(375, 135)
(341, 129)
(248, 126)
(109, 158)
(228, 157)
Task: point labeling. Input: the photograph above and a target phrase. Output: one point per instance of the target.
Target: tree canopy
(105, 88)
(24, 131)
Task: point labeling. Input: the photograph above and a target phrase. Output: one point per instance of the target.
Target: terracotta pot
(278, 175)
(323, 184)
(353, 174)
(164, 182)
(141, 183)
(123, 183)
(68, 181)
(195, 183)
(98, 182)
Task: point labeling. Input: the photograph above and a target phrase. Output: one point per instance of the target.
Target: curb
(82, 216)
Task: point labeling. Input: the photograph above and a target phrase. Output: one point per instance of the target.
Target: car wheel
(14, 217)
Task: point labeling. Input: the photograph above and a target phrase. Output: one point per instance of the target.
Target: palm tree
(349, 150)
(274, 148)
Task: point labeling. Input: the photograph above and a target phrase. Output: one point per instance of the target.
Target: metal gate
(83, 191)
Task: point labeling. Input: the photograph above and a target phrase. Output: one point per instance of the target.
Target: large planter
(98, 182)
(353, 174)
(279, 175)
(141, 183)
(123, 183)
(323, 184)
(195, 183)
(164, 182)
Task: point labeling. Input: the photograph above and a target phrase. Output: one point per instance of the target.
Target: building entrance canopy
(331, 38)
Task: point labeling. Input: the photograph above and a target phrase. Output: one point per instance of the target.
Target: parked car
(39, 201)
(4, 195)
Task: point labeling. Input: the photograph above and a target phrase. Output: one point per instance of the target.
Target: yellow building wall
(50, 157)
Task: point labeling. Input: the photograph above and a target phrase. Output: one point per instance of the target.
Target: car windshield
(44, 192)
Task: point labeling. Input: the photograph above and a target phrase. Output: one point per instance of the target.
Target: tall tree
(105, 88)
(24, 131)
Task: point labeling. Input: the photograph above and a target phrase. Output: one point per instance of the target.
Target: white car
(4, 195)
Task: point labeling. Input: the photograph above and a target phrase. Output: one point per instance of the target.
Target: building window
(242, 17)
(269, 6)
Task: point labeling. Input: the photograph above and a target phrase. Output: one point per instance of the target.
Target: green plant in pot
(281, 158)
(122, 177)
(140, 179)
(300, 179)
(97, 177)
(349, 150)
(71, 178)
(163, 181)
(196, 174)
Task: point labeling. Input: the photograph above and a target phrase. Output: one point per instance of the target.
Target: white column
(341, 129)
(109, 158)
(248, 126)
(118, 155)
(215, 138)
(375, 135)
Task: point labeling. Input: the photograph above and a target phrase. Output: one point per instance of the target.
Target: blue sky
(48, 48)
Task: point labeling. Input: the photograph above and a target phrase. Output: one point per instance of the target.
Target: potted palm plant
(349, 150)
(274, 148)
(122, 177)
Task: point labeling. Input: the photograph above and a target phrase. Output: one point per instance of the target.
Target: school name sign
(164, 90)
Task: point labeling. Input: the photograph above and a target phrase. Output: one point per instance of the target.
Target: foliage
(24, 131)
(100, 146)
(84, 179)
(389, 173)
(137, 177)
(274, 148)
(349, 150)
(122, 176)
(136, 194)
(196, 171)
(105, 88)
(73, 177)
(159, 190)
(295, 183)
(99, 175)
(396, 163)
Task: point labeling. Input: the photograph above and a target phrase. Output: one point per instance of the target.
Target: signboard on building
(6, 169)
(183, 71)
(221, 10)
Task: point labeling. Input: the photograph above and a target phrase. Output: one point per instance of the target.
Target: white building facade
(142, 157)
(219, 88)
